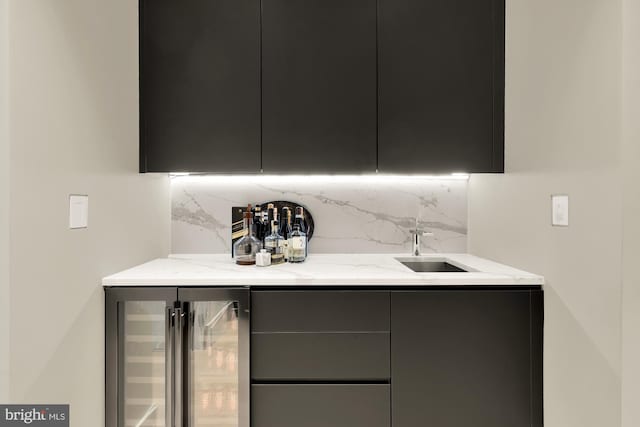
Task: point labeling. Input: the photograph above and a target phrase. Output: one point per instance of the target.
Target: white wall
(631, 211)
(563, 130)
(4, 200)
(74, 129)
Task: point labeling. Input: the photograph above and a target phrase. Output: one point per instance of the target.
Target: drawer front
(320, 311)
(320, 356)
(322, 405)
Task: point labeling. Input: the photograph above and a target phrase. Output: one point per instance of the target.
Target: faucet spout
(416, 244)
(417, 233)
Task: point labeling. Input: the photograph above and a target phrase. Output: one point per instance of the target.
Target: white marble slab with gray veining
(351, 215)
(320, 270)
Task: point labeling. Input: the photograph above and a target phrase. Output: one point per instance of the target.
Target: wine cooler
(177, 357)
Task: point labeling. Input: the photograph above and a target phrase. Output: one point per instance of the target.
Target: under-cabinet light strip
(260, 178)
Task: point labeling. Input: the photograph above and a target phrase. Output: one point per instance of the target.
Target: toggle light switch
(78, 211)
(560, 210)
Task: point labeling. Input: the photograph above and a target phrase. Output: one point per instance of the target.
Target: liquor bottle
(300, 219)
(245, 249)
(297, 244)
(274, 243)
(264, 225)
(303, 227)
(257, 222)
(285, 223)
(270, 214)
(285, 230)
(268, 218)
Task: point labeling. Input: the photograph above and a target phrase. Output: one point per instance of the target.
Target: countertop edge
(374, 270)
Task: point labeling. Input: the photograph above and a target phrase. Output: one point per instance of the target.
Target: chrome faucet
(416, 234)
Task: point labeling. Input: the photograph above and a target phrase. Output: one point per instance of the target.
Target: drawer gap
(321, 382)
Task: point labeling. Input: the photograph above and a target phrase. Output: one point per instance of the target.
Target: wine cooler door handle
(169, 366)
(178, 406)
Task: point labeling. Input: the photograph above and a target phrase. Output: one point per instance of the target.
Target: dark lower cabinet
(200, 86)
(319, 86)
(441, 86)
(410, 358)
(320, 405)
(466, 358)
(324, 358)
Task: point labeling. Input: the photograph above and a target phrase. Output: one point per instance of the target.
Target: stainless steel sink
(430, 266)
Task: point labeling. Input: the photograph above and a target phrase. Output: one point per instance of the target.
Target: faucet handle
(421, 232)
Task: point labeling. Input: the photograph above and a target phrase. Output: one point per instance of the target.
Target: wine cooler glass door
(144, 364)
(216, 368)
(139, 357)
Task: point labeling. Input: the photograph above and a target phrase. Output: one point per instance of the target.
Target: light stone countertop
(319, 270)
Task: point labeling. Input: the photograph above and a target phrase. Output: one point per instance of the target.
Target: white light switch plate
(78, 211)
(560, 210)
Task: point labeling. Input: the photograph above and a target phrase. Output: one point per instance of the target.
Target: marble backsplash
(352, 215)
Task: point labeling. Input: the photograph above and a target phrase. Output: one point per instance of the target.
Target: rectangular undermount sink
(430, 266)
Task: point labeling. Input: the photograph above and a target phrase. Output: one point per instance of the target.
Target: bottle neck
(248, 225)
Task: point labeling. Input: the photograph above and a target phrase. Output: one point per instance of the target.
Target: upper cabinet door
(319, 86)
(441, 86)
(200, 85)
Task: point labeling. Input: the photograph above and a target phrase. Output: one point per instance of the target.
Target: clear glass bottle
(247, 247)
(299, 220)
(297, 244)
(274, 243)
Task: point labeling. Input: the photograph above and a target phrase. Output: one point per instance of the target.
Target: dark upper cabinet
(322, 86)
(441, 86)
(319, 86)
(200, 85)
(466, 358)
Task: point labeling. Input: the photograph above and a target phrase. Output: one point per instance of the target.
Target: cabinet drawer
(320, 311)
(320, 356)
(320, 405)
